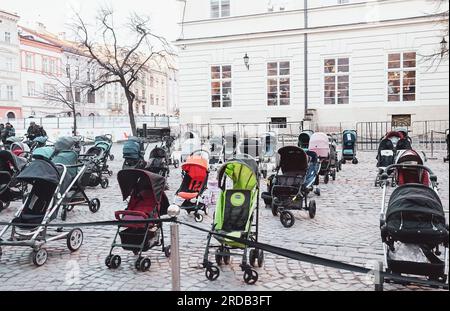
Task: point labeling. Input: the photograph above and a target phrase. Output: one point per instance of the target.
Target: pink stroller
(320, 144)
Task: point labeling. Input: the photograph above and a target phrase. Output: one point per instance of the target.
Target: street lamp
(444, 48)
(246, 61)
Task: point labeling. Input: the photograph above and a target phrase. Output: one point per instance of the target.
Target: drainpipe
(305, 53)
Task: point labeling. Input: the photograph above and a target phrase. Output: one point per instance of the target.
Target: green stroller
(236, 216)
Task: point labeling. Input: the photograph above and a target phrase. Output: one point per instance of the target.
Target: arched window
(78, 114)
(92, 114)
(11, 115)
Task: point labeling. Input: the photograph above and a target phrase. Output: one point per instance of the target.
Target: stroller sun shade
(65, 143)
(243, 175)
(7, 158)
(292, 160)
(320, 144)
(158, 153)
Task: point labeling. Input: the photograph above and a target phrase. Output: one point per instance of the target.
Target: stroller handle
(389, 169)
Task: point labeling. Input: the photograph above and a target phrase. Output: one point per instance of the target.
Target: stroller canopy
(43, 152)
(196, 166)
(349, 137)
(231, 139)
(158, 153)
(292, 160)
(132, 148)
(270, 144)
(65, 143)
(304, 139)
(320, 144)
(243, 173)
(132, 178)
(41, 140)
(410, 157)
(7, 158)
(104, 145)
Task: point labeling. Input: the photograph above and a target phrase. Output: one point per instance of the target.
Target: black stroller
(349, 138)
(447, 133)
(10, 188)
(147, 200)
(158, 162)
(304, 138)
(292, 184)
(134, 153)
(50, 184)
(413, 226)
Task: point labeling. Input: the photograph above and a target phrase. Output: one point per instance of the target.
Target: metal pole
(175, 256)
(378, 280)
(432, 144)
(305, 52)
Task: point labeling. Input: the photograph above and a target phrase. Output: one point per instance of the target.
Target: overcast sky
(56, 13)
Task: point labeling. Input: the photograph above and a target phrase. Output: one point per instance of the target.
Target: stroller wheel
(198, 218)
(110, 173)
(212, 273)
(287, 219)
(343, 161)
(115, 261)
(94, 205)
(104, 183)
(333, 175)
(145, 264)
(167, 251)
(253, 256)
(326, 180)
(218, 257)
(74, 239)
(39, 257)
(108, 261)
(137, 263)
(250, 276)
(64, 213)
(260, 258)
(176, 163)
(317, 192)
(355, 161)
(4, 205)
(111, 157)
(1, 252)
(312, 209)
(317, 181)
(226, 258)
(275, 210)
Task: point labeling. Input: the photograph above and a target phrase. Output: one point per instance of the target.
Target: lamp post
(247, 61)
(444, 48)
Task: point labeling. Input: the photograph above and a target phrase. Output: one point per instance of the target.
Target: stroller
(98, 156)
(269, 150)
(447, 138)
(134, 153)
(168, 145)
(20, 149)
(231, 141)
(11, 140)
(50, 184)
(158, 162)
(294, 180)
(195, 181)
(320, 144)
(413, 225)
(10, 188)
(236, 216)
(349, 146)
(146, 200)
(215, 153)
(304, 139)
(37, 142)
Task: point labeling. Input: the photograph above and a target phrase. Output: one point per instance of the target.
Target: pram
(11, 140)
(230, 147)
(320, 144)
(269, 150)
(98, 156)
(349, 139)
(134, 153)
(447, 141)
(294, 180)
(37, 142)
(236, 216)
(215, 153)
(167, 145)
(195, 181)
(10, 188)
(304, 139)
(158, 162)
(50, 184)
(146, 200)
(20, 149)
(413, 225)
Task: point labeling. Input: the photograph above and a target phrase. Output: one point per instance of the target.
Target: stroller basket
(133, 238)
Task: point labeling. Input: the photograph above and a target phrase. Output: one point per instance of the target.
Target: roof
(10, 15)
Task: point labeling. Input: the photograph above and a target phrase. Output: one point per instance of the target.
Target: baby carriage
(97, 157)
(50, 184)
(447, 141)
(20, 149)
(215, 153)
(11, 140)
(304, 139)
(37, 142)
(413, 225)
(10, 188)
(319, 144)
(349, 146)
(158, 162)
(168, 145)
(146, 200)
(134, 153)
(231, 141)
(269, 150)
(294, 180)
(236, 216)
(195, 181)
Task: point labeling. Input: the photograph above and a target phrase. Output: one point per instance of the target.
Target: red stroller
(147, 200)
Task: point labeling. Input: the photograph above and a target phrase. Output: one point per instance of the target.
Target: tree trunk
(74, 115)
(130, 99)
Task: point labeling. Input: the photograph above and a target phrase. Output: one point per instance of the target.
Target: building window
(402, 77)
(343, 1)
(337, 81)
(29, 61)
(10, 115)
(91, 97)
(88, 75)
(77, 95)
(31, 86)
(152, 100)
(278, 83)
(9, 64)
(143, 109)
(9, 92)
(77, 73)
(7, 37)
(220, 8)
(52, 68)
(221, 86)
(69, 94)
(68, 71)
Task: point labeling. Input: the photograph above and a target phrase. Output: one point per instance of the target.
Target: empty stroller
(387, 152)
(413, 225)
(231, 141)
(294, 180)
(158, 162)
(134, 153)
(319, 144)
(447, 141)
(349, 146)
(236, 216)
(20, 149)
(269, 150)
(304, 139)
(215, 153)
(195, 181)
(50, 184)
(146, 201)
(10, 188)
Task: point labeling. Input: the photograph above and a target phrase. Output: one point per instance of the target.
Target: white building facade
(366, 61)
(10, 90)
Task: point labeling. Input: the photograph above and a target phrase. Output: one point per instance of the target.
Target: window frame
(402, 70)
(31, 86)
(278, 77)
(336, 74)
(8, 37)
(220, 80)
(221, 15)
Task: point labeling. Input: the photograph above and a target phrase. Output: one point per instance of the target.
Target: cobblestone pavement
(346, 228)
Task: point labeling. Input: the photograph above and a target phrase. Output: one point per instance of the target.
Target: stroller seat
(140, 207)
(236, 212)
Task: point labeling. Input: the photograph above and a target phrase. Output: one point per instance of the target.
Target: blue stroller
(133, 153)
(349, 146)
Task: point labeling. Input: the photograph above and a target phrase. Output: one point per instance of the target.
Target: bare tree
(120, 62)
(440, 15)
